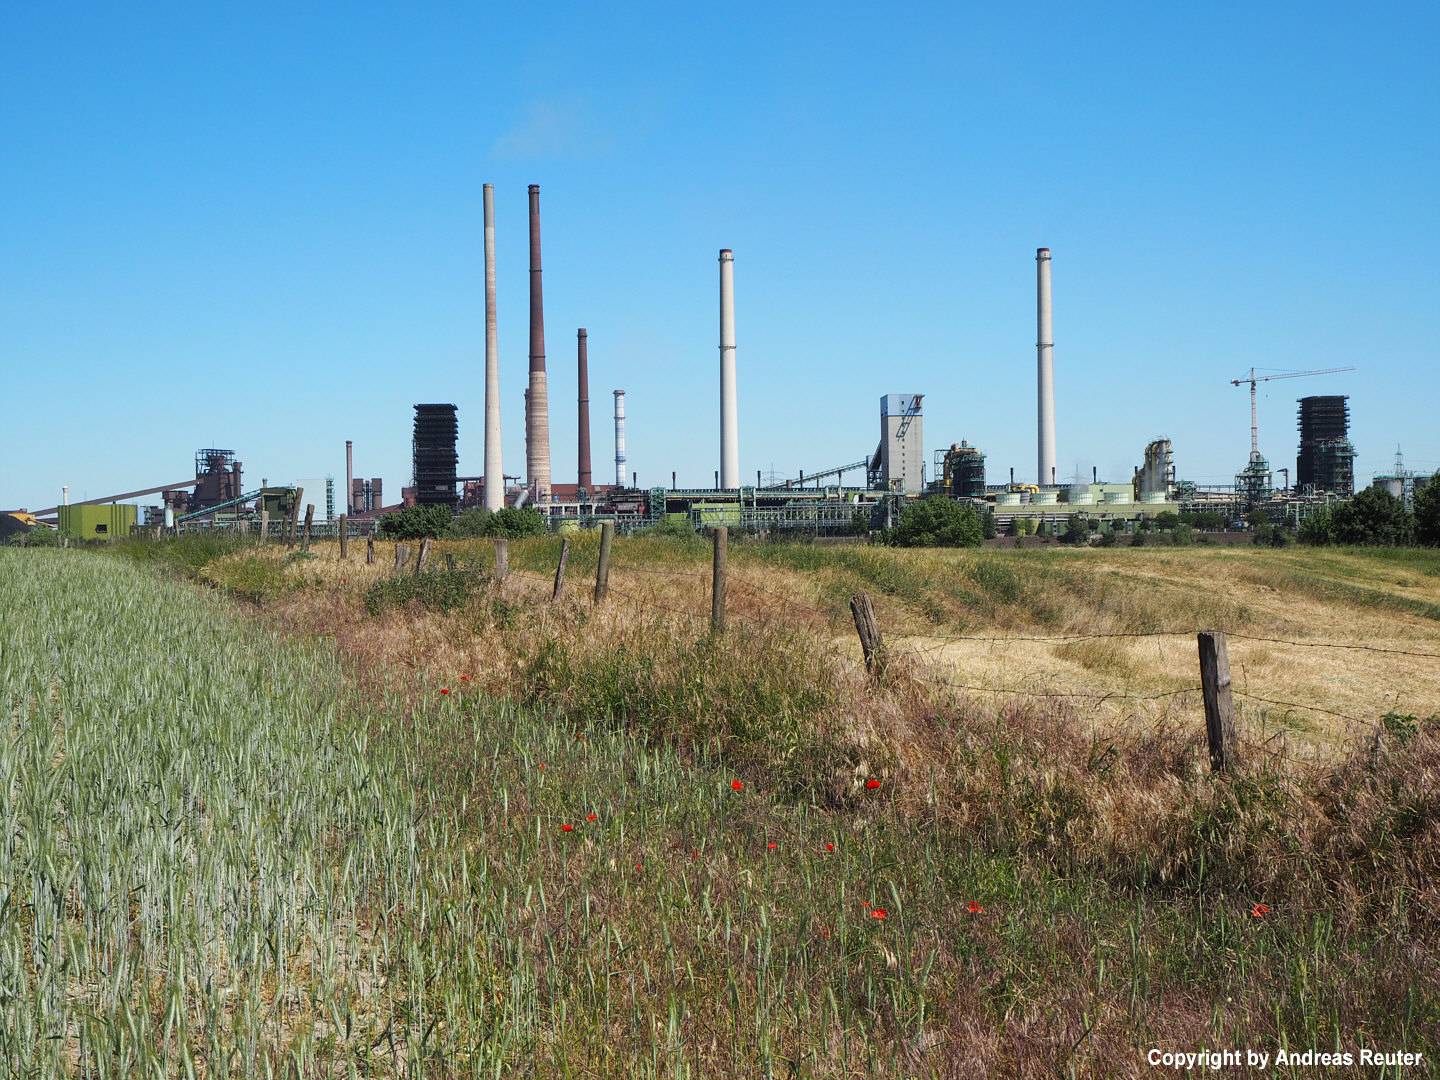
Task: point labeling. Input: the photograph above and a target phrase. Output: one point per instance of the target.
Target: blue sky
(259, 227)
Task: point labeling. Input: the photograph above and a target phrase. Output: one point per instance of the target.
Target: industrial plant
(902, 467)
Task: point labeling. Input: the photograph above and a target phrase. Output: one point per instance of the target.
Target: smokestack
(1045, 357)
(619, 438)
(584, 480)
(537, 412)
(349, 477)
(729, 408)
(494, 467)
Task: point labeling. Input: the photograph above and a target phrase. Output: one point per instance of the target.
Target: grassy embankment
(445, 919)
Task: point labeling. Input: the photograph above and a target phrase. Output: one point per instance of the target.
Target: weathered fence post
(717, 584)
(402, 556)
(370, 551)
(424, 559)
(560, 570)
(264, 526)
(502, 560)
(868, 627)
(1219, 705)
(309, 517)
(602, 571)
(449, 560)
(344, 536)
(289, 528)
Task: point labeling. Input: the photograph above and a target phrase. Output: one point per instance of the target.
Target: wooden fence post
(424, 559)
(309, 517)
(402, 556)
(560, 570)
(344, 536)
(1219, 705)
(288, 529)
(602, 571)
(717, 584)
(502, 560)
(449, 560)
(868, 627)
(264, 526)
(370, 551)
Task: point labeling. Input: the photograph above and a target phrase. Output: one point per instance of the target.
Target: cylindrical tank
(1119, 497)
(1152, 497)
(1007, 498)
(1080, 495)
(1045, 498)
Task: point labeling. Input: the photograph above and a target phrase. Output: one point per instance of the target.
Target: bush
(676, 529)
(938, 521)
(987, 525)
(38, 536)
(1183, 535)
(1427, 513)
(415, 523)
(469, 524)
(515, 523)
(436, 590)
(1318, 528)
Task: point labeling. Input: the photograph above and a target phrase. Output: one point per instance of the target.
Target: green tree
(987, 525)
(1427, 513)
(1374, 516)
(1167, 520)
(1076, 531)
(938, 521)
(415, 523)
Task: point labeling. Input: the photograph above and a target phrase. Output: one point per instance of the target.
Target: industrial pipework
(583, 475)
(537, 418)
(1045, 356)
(729, 407)
(620, 438)
(494, 467)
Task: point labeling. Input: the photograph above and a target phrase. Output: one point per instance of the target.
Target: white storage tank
(1081, 495)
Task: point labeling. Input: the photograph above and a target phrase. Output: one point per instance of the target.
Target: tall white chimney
(494, 468)
(350, 477)
(1045, 358)
(619, 438)
(729, 406)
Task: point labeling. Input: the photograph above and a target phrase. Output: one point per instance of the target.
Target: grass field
(265, 842)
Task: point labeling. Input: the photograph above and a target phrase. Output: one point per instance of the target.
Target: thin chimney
(585, 480)
(537, 419)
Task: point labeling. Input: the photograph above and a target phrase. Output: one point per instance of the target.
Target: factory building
(1326, 462)
(899, 460)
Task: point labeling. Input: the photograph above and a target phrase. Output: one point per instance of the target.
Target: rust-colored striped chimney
(585, 480)
(537, 412)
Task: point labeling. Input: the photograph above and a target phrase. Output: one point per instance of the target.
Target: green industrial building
(97, 521)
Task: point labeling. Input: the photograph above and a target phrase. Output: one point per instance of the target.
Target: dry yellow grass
(996, 622)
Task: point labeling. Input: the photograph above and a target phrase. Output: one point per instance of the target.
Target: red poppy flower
(567, 828)
(639, 866)
(825, 931)
(342, 581)
(580, 734)
(737, 785)
(444, 690)
(591, 817)
(877, 913)
(1261, 910)
(542, 766)
(464, 678)
(866, 903)
(772, 847)
(872, 784)
(829, 847)
(976, 909)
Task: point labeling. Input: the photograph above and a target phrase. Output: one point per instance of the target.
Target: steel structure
(433, 447)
